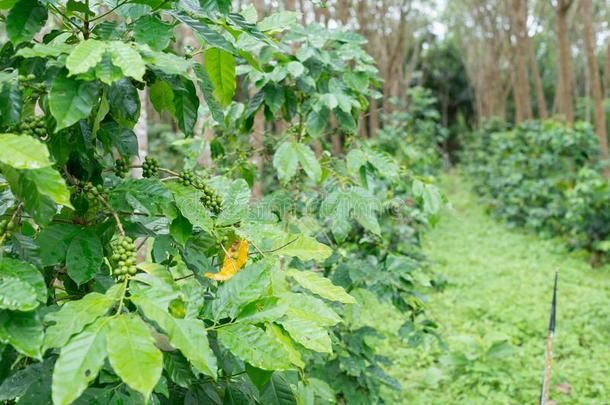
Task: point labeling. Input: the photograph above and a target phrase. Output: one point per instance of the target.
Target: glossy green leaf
(24, 20)
(27, 273)
(320, 285)
(187, 200)
(11, 102)
(71, 100)
(253, 282)
(306, 307)
(127, 59)
(133, 354)
(289, 155)
(16, 294)
(85, 55)
(308, 333)
(301, 246)
(278, 22)
(79, 363)
(208, 93)
(294, 355)
(40, 190)
(106, 71)
(254, 346)
(278, 392)
(206, 32)
(85, 255)
(124, 102)
(187, 335)
(23, 152)
(220, 66)
(23, 331)
(73, 316)
(150, 30)
(162, 97)
(263, 310)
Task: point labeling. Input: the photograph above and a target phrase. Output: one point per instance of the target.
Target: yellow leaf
(234, 261)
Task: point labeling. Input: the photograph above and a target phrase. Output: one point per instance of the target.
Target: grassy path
(494, 311)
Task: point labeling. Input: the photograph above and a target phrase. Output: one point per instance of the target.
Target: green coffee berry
(150, 167)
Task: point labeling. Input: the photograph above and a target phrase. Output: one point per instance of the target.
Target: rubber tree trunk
(594, 79)
(543, 112)
(566, 108)
(258, 129)
(521, 89)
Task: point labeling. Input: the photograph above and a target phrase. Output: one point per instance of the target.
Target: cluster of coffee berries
(121, 167)
(188, 178)
(26, 81)
(210, 199)
(92, 191)
(32, 125)
(150, 167)
(7, 225)
(123, 257)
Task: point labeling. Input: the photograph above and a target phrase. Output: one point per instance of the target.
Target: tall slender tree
(594, 79)
(564, 86)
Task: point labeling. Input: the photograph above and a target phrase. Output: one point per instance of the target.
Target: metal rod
(546, 379)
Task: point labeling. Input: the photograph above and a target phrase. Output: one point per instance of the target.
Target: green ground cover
(493, 314)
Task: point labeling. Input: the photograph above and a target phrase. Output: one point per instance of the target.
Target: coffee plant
(174, 288)
(546, 177)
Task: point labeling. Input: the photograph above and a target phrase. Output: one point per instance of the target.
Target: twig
(546, 379)
(276, 249)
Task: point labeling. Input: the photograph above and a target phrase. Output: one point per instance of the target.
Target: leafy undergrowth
(493, 314)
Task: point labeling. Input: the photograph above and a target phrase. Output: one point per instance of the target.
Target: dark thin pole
(546, 379)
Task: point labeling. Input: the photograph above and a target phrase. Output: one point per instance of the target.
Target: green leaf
(317, 122)
(287, 157)
(278, 392)
(263, 310)
(166, 62)
(11, 102)
(133, 354)
(186, 104)
(208, 93)
(40, 190)
(309, 334)
(24, 20)
(254, 346)
(85, 55)
(207, 33)
(73, 316)
(23, 331)
(23, 152)
(301, 246)
(124, 102)
(294, 355)
(306, 307)
(278, 22)
(150, 30)
(85, 255)
(16, 294)
(127, 59)
(320, 285)
(112, 134)
(187, 335)
(27, 273)
(187, 200)
(235, 199)
(162, 97)
(346, 121)
(79, 363)
(295, 68)
(53, 242)
(71, 100)
(44, 50)
(308, 161)
(250, 284)
(106, 71)
(358, 202)
(286, 161)
(220, 66)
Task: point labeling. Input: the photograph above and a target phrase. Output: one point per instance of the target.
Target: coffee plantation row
(547, 177)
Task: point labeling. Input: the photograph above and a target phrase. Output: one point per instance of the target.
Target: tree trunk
(373, 118)
(607, 71)
(543, 112)
(343, 8)
(566, 107)
(523, 106)
(594, 80)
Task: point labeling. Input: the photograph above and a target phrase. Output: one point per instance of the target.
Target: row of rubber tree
(175, 287)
